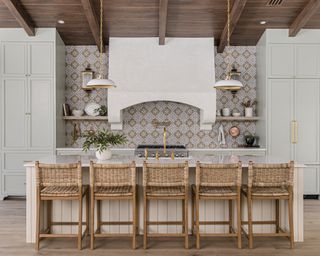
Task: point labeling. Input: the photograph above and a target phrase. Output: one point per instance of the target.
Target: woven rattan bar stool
(217, 182)
(60, 182)
(112, 182)
(269, 182)
(166, 182)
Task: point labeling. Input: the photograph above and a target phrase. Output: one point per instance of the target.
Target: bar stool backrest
(170, 175)
(58, 174)
(270, 175)
(112, 175)
(219, 175)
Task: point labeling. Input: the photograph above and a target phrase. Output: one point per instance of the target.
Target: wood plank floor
(12, 240)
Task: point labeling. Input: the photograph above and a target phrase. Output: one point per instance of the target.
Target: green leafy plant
(103, 110)
(249, 103)
(102, 140)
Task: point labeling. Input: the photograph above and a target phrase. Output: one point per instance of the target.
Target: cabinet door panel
(41, 122)
(307, 61)
(311, 180)
(14, 59)
(41, 59)
(14, 184)
(281, 61)
(307, 115)
(280, 112)
(14, 126)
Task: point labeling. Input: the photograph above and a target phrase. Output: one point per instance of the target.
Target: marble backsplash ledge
(184, 120)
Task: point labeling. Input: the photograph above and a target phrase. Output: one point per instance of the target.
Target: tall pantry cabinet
(288, 77)
(32, 91)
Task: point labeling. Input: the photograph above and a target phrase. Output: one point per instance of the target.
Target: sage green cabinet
(31, 96)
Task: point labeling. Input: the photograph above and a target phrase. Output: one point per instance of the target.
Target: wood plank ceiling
(140, 18)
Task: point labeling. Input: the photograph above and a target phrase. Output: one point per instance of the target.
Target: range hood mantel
(180, 71)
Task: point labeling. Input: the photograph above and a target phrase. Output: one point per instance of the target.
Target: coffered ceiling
(179, 18)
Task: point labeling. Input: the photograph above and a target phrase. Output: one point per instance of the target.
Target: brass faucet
(172, 155)
(157, 155)
(164, 140)
(146, 154)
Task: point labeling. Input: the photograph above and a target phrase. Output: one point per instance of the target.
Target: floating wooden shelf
(86, 118)
(239, 118)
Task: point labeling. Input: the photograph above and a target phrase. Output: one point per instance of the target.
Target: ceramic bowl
(236, 114)
(77, 112)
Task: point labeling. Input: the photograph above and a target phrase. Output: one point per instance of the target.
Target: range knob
(139, 155)
(153, 155)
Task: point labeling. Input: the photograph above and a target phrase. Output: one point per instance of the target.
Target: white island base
(66, 211)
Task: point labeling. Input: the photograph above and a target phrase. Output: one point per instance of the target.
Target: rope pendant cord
(228, 42)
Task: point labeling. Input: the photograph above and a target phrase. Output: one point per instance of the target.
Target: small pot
(248, 112)
(249, 140)
(104, 155)
(226, 112)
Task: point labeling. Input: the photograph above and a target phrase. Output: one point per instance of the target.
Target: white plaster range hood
(182, 70)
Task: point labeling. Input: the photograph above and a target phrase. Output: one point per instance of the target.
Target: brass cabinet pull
(294, 132)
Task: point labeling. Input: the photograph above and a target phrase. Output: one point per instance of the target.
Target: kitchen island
(163, 210)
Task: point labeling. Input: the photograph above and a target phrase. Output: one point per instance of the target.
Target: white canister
(248, 112)
(226, 112)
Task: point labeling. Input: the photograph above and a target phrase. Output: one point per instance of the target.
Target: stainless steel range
(163, 151)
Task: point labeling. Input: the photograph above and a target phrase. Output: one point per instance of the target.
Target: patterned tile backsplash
(184, 121)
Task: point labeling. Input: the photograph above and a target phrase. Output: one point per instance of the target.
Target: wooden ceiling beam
(21, 16)
(236, 11)
(303, 17)
(92, 19)
(163, 12)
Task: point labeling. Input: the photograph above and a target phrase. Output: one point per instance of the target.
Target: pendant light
(100, 81)
(228, 83)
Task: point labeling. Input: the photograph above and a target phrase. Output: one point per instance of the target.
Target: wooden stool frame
(162, 179)
(62, 171)
(277, 179)
(110, 180)
(234, 180)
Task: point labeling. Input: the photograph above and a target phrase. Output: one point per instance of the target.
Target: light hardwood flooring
(12, 240)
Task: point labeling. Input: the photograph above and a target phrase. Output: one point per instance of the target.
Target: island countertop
(120, 159)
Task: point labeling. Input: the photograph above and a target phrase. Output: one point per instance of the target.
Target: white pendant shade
(101, 83)
(228, 84)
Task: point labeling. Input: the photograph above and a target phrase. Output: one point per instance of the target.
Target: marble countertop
(85, 160)
(189, 149)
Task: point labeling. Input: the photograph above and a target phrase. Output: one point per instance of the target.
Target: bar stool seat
(62, 191)
(266, 191)
(109, 191)
(215, 191)
(165, 191)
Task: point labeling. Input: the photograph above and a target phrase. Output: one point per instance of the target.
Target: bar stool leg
(250, 221)
(183, 215)
(277, 216)
(80, 222)
(87, 212)
(145, 224)
(98, 230)
(92, 221)
(49, 215)
(230, 216)
(38, 220)
(186, 235)
(134, 221)
(192, 213)
(197, 223)
(239, 219)
(290, 206)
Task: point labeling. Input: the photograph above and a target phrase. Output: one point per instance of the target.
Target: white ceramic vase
(248, 112)
(104, 155)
